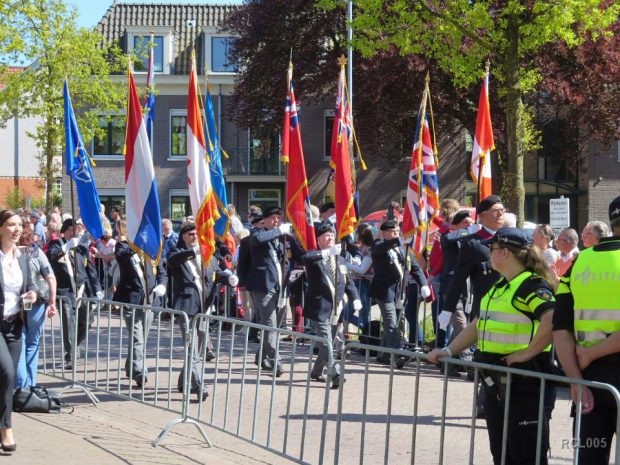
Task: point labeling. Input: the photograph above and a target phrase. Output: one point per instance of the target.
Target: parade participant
(388, 261)
(244, 265)
(44, 284)
(567, 246)
(15, 289)
(543, 235)
(73, 283)
(328, 282)
(266, 280)
(593, 232)
(362, 274)
(185, 270)
(586, 333)
(139, 283)
(472, 263)
(514, 329)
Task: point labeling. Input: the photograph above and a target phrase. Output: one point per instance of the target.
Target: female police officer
(514, 328)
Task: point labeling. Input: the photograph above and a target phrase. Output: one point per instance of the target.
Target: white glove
(425, 292)
(197, 250)
(444, 319)
(233, 280)
(73, 243)
(99, 295)
(357, 305)
(335, 249)
(159, 290)
(285, 228)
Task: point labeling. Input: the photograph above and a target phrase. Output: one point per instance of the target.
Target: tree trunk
(48, 167)
(513, 173)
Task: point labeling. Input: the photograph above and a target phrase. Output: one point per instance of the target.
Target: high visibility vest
(594, 283)
(502, 328)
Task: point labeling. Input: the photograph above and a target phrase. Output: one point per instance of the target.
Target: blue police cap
(511, 237)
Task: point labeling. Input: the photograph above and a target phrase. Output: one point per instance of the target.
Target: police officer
(328, 282)
(586, 332)
(514, 328)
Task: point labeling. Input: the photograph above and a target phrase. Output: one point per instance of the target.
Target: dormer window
(218, 48)
(141, 46)
(138, 42)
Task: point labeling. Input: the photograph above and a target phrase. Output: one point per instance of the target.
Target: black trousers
(522, 421)
(598, 427)
(10, 349)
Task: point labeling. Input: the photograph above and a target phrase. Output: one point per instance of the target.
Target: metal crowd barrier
(402, 416)
(250, 402)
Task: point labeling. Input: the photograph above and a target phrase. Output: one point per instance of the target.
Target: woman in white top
(543, 235)
(15, 290)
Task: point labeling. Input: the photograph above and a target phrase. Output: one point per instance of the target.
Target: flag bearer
(513, 328)
(586, 332)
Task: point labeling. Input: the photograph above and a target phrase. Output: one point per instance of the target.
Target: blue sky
(90, 12)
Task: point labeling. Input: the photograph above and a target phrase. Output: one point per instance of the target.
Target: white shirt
(13, 280)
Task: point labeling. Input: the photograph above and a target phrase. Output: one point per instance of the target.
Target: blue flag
(78, 167)
(215, 167)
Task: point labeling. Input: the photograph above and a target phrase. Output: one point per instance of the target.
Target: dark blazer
(26, 282)
(244, 260)
(185, 293)
(266, 250)
(319, 302)
(85, 272)
(472, 263)
(386, 280)
(450, 246)
(129, 288)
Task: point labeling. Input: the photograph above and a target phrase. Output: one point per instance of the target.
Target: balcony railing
(245, 162)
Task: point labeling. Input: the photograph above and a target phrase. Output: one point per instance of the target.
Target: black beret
(326, 206)
(488, 203)
(272, 211)
(68, 223)
(325, 227)
(389, 224)
(511, 237)
(460, 216)
(187, 227)
(614, 209)
(255, 217)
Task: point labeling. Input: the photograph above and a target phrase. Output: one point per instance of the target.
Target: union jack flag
(423, 186)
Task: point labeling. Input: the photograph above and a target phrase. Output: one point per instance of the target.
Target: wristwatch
(447, 351)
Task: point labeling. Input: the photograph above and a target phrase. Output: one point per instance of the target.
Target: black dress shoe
(210, 356)
(8, 447)
(203, 397)
(279, 371)
(319, 378)
(139, 382)
(336, 382)
(401, 361)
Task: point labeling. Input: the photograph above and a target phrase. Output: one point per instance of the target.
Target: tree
(44, 34)
(461, 35)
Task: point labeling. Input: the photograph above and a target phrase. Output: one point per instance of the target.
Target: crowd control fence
(379, 414)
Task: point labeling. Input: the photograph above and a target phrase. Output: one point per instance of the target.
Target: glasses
(497, 211)
(562, 239)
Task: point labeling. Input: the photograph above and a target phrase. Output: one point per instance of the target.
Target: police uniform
(509, 318)
(588, 305)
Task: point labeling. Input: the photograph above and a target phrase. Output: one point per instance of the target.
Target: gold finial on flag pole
(342, 60)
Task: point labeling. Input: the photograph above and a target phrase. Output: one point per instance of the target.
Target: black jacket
(450, 246)
(85, 272)
(129, 288)
(388, 265)
(319, 301)
(472, 263)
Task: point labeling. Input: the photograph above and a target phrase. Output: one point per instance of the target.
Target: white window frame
(171, 113)
(175, 193)
(107, 156)
(210, 32)
(165, 31)
(274, 189)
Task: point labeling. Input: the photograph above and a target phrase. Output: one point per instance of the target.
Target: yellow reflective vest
(594, 282)
(509, 313)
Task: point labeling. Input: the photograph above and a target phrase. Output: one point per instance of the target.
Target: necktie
(332, 266)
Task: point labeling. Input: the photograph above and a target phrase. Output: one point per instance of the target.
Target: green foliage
(14, 199)
(43, 34)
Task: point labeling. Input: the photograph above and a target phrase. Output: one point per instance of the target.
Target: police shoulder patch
(544, 294)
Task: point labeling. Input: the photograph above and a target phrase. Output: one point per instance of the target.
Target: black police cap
(460, 216)
(326, 206)
(511, 237)
(487, 203)
(255, 217)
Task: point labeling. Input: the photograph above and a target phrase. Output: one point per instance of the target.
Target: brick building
(253, 172)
